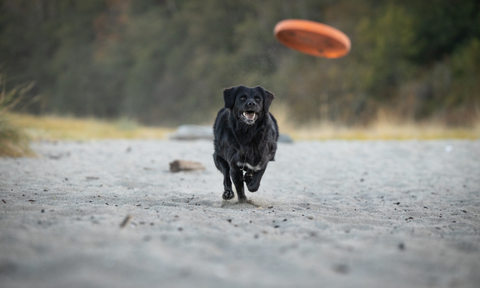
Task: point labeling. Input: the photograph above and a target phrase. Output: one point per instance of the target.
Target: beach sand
(327, 214)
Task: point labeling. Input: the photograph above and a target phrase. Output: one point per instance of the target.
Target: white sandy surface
(327, 214)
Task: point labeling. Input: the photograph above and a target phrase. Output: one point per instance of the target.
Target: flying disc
(312, 38)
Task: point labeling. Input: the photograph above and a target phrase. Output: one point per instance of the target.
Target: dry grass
(383, 131)
(13, 141)
(387, 126)
(384, 128)
(66, 128)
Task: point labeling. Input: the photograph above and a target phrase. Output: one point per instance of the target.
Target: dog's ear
(267, 99)
(229, 96)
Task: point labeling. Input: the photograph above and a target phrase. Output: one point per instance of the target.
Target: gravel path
(328, 214)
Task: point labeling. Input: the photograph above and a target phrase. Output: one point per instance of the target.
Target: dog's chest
(249, 166)
(252, 161)
(252, 152)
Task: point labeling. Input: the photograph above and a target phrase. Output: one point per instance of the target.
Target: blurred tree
(441, 26)
(167, 61)
(385, 41)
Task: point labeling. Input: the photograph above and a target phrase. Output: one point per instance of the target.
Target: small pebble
(341, 269)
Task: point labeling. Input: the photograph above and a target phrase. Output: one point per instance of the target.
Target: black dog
(246, 137)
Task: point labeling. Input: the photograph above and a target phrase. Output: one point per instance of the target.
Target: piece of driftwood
(193, 132)
(184, 165)
(285, 138)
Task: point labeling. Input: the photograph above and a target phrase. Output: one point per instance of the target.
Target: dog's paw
(228, 194)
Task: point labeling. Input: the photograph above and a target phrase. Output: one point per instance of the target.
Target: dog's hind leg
(223, 166)
(237, 177)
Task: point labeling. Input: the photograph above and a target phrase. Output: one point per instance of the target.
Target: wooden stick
(184, 165)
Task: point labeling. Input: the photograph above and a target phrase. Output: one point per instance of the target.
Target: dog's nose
(251, 103)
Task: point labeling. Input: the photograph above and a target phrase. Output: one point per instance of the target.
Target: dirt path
(329, 214)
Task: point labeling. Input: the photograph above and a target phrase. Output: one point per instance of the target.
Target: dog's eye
(257, 98)
(243, 98)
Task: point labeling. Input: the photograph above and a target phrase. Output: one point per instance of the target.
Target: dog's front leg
(248, 176)
(237, 178)
(254, 181)
(223, 166)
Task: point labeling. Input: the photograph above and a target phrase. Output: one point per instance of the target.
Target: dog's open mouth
(249, 116)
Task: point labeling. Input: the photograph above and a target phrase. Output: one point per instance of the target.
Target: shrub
(14, 142)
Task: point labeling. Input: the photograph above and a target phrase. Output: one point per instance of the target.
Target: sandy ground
(328, 214)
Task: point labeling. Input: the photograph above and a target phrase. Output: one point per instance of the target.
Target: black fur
(243, 138)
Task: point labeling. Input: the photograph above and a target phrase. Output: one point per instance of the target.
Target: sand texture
(327, 214)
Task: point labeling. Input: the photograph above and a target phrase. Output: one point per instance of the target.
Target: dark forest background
(166, 62)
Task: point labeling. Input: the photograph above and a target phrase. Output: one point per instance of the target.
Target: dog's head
(248, 104)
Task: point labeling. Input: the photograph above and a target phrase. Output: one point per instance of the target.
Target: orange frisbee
(312, 38)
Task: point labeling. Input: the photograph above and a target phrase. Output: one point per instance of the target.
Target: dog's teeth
(249, 115)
